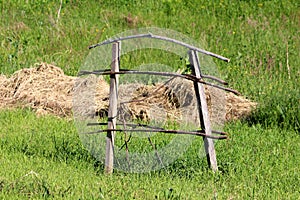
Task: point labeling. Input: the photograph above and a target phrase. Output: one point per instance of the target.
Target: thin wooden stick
(126, 142)
(215, 79)
(156, 152)
(198, 133)
(153, 36)
(123, 71)
(153, 128)
(170, 74)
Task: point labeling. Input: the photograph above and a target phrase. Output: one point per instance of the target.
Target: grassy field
(44, 158)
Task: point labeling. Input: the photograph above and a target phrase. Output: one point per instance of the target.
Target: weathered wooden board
(203, 111)
(112, 110)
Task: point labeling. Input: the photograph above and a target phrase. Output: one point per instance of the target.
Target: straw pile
(146, 102)
(44, 88)
(47, 90)
(176, 100)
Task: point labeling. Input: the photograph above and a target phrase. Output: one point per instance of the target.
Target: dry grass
(44, 88)
(47, 90)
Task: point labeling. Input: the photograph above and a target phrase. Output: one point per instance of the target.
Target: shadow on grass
(282, 112)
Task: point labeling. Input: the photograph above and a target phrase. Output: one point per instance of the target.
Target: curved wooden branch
(198, 133)
(153, 36)
(214, 78)
(150, 127)
(170, 74)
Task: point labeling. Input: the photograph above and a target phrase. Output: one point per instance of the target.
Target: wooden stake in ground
(203, 112)
(112, 110)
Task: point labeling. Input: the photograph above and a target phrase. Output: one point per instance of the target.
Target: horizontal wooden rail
(223, 135)
(147, 126)
(170, 74)
(153, 36)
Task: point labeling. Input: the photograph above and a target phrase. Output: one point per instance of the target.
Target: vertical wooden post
(112, 110)
(203, 112)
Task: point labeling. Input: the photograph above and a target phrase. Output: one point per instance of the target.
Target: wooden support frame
(197, 78)
(112, 110)
(203, 112)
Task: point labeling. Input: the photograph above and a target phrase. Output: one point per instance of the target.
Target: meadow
(43, 157)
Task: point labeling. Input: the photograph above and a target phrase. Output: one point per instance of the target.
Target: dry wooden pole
(223, 135)
(112, 110)
(153, 36)
(171, 74)
(203, 112)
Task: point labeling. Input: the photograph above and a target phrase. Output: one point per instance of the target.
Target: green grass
(44, 158)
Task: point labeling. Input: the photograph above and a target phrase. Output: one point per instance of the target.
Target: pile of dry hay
(177, 100)
(46, 89)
